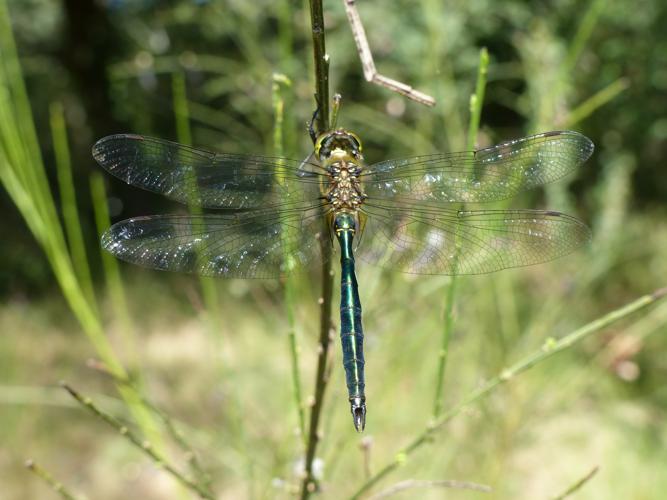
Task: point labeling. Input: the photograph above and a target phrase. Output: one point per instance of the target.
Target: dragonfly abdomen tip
(358, 409)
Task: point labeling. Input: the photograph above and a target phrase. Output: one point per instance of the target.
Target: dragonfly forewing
(210, 180)
(486, 175)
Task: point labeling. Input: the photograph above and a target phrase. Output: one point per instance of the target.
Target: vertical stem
(321, 64)
(71, 219)
(284, 12)
(184, 136)
(181, 110)
(321, 378)
(584, 31)
(476, 101)
(444, 347)
(278, 150)
(114, 282)
(322, 97)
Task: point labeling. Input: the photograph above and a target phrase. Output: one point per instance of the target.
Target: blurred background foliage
(111, 65)
(598, 66)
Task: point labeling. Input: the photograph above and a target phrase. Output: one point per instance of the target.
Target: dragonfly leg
(311, 123)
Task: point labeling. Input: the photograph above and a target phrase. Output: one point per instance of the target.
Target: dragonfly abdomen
(351, 331)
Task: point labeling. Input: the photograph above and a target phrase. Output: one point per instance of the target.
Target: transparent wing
(466, 242)
(265, 244)
(490, 174)
(211, 180)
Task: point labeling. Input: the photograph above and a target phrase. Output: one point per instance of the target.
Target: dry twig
(370, 72)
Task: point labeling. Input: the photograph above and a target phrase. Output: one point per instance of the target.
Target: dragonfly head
(337, 142)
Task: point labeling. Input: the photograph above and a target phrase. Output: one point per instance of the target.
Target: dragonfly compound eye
(356, 141)
(338, 140)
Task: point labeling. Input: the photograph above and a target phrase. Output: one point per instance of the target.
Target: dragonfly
(416, 215)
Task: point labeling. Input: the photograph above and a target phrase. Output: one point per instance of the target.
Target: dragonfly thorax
(339, 153)
(344, 191)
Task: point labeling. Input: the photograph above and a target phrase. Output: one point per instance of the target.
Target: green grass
(573, 409)
(23, 175)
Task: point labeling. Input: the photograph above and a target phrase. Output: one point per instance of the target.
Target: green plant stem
(203, 477)
(21, 131)
(60, 263)
(584, 31)
(48, 478)
(476, 102)
(114, 282)
(596, 101)
(184, 136)
(23, 175)
(207, 284)
(68, 201)
(181, 111)
(321, 377)
(477, 99)
(278, 149)
(286, 26)
(438, 402)
(141, 444)
(558, 90)
(577, 485)
(321, 59)
(550, 348)
(322, 97)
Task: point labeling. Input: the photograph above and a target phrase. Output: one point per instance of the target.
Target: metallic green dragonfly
(416, 215)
